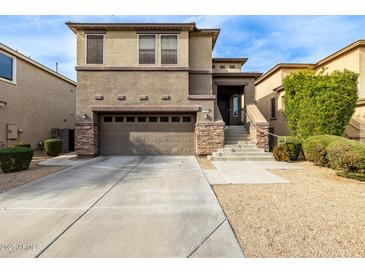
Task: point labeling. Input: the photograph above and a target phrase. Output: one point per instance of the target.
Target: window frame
(177, 49)
(14, 68)
(150, 34)
(91, 34)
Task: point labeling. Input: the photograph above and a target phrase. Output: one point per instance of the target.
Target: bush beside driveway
(15, 179)
(317, 215)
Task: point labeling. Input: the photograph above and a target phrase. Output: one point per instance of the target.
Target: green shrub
(352, 175)
(294, 146)
(288, 148)
(347, 156)
(281, 153)
(22, 145)
(53, 147)
(15, 159)
(315, 148)
(319, 103)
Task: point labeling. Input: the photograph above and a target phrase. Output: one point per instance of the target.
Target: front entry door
(224, 107)
(230, 108)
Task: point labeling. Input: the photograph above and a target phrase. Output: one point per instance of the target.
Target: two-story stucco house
(155, 89)
(270, 93)
(33, 100)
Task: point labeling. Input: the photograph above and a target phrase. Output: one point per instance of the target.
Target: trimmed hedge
(315, 148)
(53, 147)
(320, 103)
(23, 145)
(288, 151)
(15, 158)
(347, 156)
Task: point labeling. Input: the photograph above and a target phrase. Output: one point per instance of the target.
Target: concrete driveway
(121, 206)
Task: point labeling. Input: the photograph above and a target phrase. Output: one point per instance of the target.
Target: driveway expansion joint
(206, 238)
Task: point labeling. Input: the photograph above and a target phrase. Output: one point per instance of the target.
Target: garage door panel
(169, 138)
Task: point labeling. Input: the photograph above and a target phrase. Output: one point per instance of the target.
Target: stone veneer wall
(260, 135)
(208, 138)
(86, 139)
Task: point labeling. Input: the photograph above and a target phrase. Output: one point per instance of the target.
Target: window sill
(273, 118)
(8, 81)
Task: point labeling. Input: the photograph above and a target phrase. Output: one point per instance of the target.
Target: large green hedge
(319, 103)
(15, 158)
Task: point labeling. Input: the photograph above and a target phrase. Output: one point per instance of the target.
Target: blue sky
(265, 40)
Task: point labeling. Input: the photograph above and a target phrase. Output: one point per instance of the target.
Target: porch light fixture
(84, 116)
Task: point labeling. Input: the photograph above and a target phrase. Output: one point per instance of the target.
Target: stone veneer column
(86, 139)
(262, 136)
(208, 138)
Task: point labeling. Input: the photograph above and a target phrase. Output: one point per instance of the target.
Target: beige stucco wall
(121, 49)
(265, 92)
(200, 59)
(38, 102)
(227, 67)
(132, 80)
(132, 85)
(200, 84)
(200, 53)
(349, 61)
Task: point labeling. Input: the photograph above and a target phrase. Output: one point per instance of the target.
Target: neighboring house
(270, 93)
(33, 100)
(155, 89)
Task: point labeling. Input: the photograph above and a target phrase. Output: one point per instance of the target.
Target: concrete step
(229, 133)
(248, 145)
(236, 131)
(236, 127)
(246, 153)
(239, 149)
(246, 142)
(238, 142)
(241, 158)
(238, 138)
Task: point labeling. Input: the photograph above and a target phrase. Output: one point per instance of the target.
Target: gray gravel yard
(16, 179)
(317, 215)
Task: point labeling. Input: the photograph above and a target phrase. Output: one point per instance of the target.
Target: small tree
(318, 104)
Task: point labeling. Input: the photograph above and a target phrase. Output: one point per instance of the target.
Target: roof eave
(35, 63)
(281, 66)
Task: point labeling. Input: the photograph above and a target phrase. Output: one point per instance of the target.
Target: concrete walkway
(118, 206)
(247, 172)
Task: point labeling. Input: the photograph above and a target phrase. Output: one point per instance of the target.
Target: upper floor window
(273, 108)
(168, 49)
(7, 67)
(147, 49)
(95, 49)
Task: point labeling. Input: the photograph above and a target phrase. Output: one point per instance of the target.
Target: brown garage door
(147, 134)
